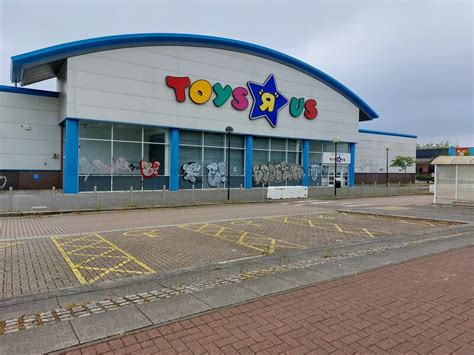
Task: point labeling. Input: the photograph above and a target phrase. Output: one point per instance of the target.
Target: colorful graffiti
(277, 172)
(191, 171)
(3, 182)
(216, 174)
(148, 169)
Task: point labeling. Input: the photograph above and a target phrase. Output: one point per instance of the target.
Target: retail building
(151, 110)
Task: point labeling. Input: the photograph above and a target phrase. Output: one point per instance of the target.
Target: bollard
(95, 196)
(388, 187)
(218, 188)
(399, 187)
(409, 187)
(362, 189)
(164, 193)
(241, 192)
(53, 200)
(10, 198)
(131, 195)
(375, 188)
(263, 191)
(193, 193)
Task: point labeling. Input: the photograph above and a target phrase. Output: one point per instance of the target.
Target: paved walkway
(423, 306)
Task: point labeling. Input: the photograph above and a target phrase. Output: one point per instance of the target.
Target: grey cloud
(411, 61)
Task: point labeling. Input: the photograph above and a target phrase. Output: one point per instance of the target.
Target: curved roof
(45, 63)
(450, 160)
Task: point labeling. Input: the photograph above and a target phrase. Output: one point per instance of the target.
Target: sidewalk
(422, 306)
(47, 201)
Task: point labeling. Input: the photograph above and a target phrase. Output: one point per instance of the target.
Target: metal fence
(53, 200)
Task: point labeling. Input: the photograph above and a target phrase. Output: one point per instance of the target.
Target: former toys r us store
(151, 110)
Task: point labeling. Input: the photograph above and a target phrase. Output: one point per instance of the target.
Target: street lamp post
(335, 140)
(386, 167)
(228, 132)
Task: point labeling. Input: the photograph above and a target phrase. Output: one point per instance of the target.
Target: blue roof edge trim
(24, 91)
(62, 51)
(361, 130)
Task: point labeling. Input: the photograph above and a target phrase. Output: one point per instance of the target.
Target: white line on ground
(38, 207)
(362, 204)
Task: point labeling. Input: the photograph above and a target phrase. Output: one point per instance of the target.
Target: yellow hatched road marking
(327, 226)
(97, 242)
(247, 239)
(70, 263)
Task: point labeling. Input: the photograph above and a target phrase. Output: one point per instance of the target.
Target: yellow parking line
(368, 233)
(70, 263)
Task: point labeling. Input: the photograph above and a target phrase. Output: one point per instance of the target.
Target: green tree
(402, 162)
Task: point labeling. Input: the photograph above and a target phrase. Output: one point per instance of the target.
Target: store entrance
(342, 175)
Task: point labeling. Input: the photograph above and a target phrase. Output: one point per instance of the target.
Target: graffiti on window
(121, 164)
(314, 171)
(191, 171)
(3, 182)
(277, 172)
(148, 169)
(216, 174)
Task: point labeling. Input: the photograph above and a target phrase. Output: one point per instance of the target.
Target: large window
(203, 159)
(117, 157)
(269, 158)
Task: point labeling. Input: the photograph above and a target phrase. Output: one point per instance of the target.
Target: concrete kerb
(239, 265)
(395, 216)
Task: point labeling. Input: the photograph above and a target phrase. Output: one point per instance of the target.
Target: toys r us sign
(267, 100)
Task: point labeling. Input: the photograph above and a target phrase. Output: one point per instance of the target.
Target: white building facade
(152, 110)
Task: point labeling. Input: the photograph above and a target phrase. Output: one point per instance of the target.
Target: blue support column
(174, 159)
(306, 162)
(352, 150)
(71, 157)
(248, 162)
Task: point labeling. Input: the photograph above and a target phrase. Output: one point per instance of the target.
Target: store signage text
(267, 100)
(342, 158)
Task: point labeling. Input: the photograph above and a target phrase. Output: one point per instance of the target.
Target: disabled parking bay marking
(93, 257)
(251, 240)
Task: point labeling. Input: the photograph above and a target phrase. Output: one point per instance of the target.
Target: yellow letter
(268, 102)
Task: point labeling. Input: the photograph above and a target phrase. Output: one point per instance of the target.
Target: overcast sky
(411, 61)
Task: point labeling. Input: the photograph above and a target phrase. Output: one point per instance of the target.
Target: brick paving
(16, 227)
(35, 265)
(419, 307)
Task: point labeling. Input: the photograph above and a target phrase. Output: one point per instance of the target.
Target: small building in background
(424, 157)
(454, 180)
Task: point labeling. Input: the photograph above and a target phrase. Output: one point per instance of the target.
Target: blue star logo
(267, 100)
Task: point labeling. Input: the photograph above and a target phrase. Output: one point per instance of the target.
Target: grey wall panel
(29, 132)
(128, 85)
(371, 153)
